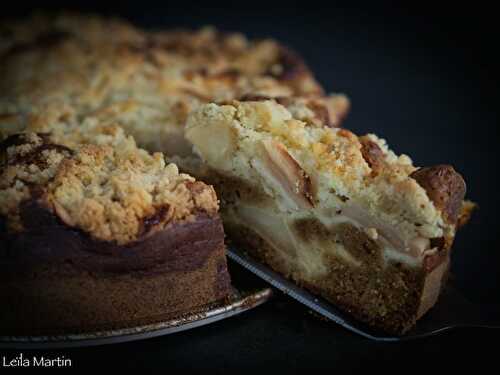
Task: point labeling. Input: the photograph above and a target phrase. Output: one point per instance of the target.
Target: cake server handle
(453, 307)
(454, 311)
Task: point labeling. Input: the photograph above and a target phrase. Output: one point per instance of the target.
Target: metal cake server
(452, 310)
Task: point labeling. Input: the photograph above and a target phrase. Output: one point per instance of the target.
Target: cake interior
(336, 259)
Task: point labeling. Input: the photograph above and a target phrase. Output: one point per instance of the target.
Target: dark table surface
(427, 81)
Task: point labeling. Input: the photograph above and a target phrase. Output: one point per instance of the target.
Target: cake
(99, 232)
(96, 232)
(103, 236)
(65, 68)
(339, 214)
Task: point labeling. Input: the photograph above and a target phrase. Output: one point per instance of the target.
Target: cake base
(88, 302)
(57, 280)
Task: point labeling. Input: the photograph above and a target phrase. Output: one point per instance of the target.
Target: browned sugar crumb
(445, 187)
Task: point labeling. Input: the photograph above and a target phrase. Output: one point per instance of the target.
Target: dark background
(425, 77)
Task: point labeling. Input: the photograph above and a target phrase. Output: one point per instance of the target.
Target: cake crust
(445, 188)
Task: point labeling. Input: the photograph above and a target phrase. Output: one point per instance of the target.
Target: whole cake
(97, 237)
(339, 214)
(97, 232)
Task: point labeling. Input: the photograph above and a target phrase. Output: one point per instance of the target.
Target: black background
(425, 77)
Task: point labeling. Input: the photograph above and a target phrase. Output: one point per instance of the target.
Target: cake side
(68, 282)
(340, 214)
(99, 237)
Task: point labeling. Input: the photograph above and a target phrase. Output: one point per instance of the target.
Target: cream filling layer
(278, 230)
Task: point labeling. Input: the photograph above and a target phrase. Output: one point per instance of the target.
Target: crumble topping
(248, 139)
(66, 68)
(106, 191)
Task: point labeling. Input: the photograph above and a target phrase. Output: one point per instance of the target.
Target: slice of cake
(339, 214)
(102, 236)
(65, 68)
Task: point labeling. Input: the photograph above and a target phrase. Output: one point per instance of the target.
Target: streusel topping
(329, 166)
(63, 69)
(107, 191)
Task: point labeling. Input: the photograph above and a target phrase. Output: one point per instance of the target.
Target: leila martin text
(35, 361)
